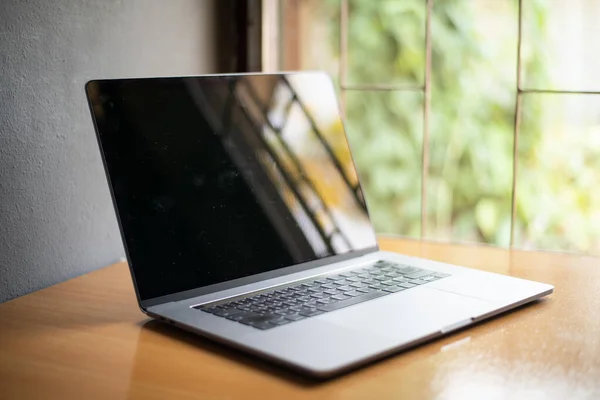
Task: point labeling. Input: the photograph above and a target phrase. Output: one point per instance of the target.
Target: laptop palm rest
(411, 315)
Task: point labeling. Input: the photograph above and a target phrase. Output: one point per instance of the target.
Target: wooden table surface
(85, 339)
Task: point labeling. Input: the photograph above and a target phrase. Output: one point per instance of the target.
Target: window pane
(560, 47)
(558, 196)
(386, 42)
(385, 134)
(472, 120)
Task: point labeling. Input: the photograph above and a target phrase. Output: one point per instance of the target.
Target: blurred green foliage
(557, 187)
(473, 87)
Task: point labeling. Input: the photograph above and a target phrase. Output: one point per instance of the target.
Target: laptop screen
(222, 177)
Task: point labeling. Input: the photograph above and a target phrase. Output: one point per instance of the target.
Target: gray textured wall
(56, 219)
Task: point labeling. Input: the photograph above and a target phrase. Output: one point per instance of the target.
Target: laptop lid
(221, 179)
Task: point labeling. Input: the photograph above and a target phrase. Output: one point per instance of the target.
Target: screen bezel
(178, 296)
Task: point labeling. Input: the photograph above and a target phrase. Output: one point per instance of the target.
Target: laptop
(244, 221)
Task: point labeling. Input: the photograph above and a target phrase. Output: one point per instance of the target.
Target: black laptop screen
(218, 178)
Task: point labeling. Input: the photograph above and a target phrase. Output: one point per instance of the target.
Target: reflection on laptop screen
(218, 178)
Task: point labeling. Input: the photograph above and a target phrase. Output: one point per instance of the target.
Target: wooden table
(86, 339)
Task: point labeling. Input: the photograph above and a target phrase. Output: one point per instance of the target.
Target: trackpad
(409, 315)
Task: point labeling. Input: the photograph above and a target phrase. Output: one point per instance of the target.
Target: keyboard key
(364, 290)
(347, 274)
(394, 289)
(441, 274)
(400, 279)
(262, 325)
(318, 295)
(241, 316)
(406, 285)
(353, 279)
(407, 270)
(285, 313)
(328, 286)
(345, 288)
(294, 317)
(311, 313)
(388, 283)
(357, 284)
(227, 313)
(380, 278)
(430, 278)
(354, 293)
(377, 286)
(321, 281)
(251, 318)
(417, 281)
(210, 310)
(351, 301)
(340, 297)
(282, 321)
(418, 274)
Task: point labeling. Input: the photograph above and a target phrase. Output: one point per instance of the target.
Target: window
(469, 120)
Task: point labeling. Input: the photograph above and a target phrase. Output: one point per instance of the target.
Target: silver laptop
(244, 221)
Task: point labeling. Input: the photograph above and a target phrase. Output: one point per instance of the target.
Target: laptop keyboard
(281, 306)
